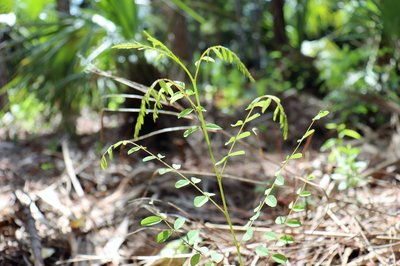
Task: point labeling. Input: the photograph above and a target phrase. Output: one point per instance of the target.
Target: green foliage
(194, 260)
(163, 236)
(47, 52)
(279, 258)
(179, 222)
(165, 90)
(262, 251)
(358, 58)
(348, 168)
(151, 220)
(350, 47)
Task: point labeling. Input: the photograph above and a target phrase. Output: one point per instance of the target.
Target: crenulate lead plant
(167, 91)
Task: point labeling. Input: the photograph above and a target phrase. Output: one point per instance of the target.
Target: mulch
(58, 207)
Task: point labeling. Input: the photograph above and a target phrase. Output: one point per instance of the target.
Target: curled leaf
(320, 115)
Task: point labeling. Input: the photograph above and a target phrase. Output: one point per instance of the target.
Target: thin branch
(70, 169)
(36, 246)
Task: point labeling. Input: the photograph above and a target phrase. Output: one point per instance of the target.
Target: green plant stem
(178, 173)
(217, 173)
(273, 185)
(234, 142)
(210, 150)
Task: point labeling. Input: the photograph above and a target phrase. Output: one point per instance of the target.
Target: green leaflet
(150, 220)
(240, 136)
(251, 118)
(211, 126)
(190, 131)
(195, 259)
(134, 149)
(163, 236)
(248, 235)
(200, 201)
(279, 258)
(181, 183)
(149, 158)
(179, 222)
(320, 115)
(185, 112)
(271, 201)
(262, 251)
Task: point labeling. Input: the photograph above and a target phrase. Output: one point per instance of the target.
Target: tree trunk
(3, 77)
(239, 28)
(63, 6)
(179, 37)
(280, 37)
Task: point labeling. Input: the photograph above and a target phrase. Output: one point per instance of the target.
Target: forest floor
(58, 206)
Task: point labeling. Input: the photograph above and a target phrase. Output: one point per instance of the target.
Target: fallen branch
(25, 201)
(70, 169)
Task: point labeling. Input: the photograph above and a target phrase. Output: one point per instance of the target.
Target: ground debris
(100, 224)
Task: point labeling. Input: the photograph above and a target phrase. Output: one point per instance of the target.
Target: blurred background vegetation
(345, 53)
